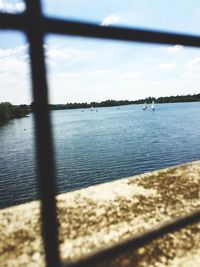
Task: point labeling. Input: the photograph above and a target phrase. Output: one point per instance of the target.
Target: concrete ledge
(105, 214)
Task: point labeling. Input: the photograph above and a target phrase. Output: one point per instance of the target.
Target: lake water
(94, 147)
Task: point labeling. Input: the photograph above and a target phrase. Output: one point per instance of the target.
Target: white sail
(145, 106)
(153, 105)
(92, 108)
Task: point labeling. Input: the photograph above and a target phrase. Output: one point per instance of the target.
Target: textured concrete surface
(105, 214)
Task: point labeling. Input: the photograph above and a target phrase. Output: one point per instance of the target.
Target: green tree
(5, 111)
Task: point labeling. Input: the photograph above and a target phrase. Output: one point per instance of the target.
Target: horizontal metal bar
(74, 28)
(12, 22)
(136, 241)
(118, 33)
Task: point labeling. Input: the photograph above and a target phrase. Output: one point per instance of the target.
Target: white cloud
(166, 66)
(81, 73)
(110, 19)
(193, 64)
(16, 52)
(174, 49)
(61, 54)
(14, 75)
(57, 53)
(7, 7)
(192, 69)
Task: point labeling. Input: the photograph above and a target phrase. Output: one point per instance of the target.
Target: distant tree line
(110, 103)
(9, 111)
(107, 103)
(170, 99)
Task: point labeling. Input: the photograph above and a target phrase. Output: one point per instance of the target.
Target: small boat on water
(153, 105)
(92, 109)
(145, 106)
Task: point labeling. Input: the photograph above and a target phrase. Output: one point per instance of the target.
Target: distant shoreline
(112, 103)
(118, 106)
(9, 111)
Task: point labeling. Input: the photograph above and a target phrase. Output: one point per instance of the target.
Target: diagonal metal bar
(137, 241)
(46, 179)
(74, 28)
(118, 33)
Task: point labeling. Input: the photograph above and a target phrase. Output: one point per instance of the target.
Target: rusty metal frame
(35, 25)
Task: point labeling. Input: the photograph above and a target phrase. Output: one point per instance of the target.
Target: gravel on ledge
(105, 214)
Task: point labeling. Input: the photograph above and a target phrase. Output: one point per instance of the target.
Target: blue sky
(82, 70)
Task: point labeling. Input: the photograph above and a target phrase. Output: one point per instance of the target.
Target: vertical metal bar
(45, 159)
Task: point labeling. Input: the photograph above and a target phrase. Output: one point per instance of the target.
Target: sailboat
(145, 106)
(153, 105)
(92, 109)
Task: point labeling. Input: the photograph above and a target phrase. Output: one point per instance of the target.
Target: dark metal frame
(35, 25)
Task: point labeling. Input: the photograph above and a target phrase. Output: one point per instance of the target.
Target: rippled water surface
(98, 146)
